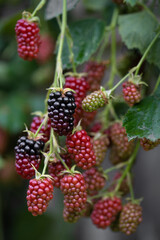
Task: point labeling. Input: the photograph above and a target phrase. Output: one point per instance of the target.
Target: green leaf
(54, 7)
(87, 35)
(137, 31)
(95, 5)
(143, 119)
(131, 2)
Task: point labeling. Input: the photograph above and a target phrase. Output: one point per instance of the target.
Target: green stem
(128, 168)
(63, 162)
(146, 52)
(157, 84)
(43, 122)
(111, 108)
(122, 80)
(130, 186)
(103, 46)
(45, 165)
(39, 6)
(115, 167)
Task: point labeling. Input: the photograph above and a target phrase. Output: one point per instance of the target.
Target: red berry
(131, 93)
(46, 49)
(148, 144)
(130, 218)
(95, 73)
(80, 86)
(71, 217)
(55, 169)
(74, 189)
(45, 130)
(94, 181)
(105, 212)
(28, 153)
(96, 127)
(28, 39)
(81, 149)
(39, 193)
(119, 138)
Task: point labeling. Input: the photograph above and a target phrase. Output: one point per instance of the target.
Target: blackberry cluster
(28, 39)
(61, 107)
(148, 144)
(94, 181)
(28, 153)
(81, 149)
(100, 147)
(95, 72)
(119, 138)
(130, 218)
(55, 169)
(80, 86)
(105, 212)
(45, 130)
(39, 193)
(75, 195)
(94, 101)
(131, 93)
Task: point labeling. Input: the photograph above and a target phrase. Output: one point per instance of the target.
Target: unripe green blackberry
(148, 144)
(130, 218)
(94, 101)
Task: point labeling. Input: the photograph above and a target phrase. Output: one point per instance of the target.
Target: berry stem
(121, 165)
(112, 110)
(63, 162)
(157, 84)
(103, 46)
(130, 186)
(39, 6)
(43, 122)
(128, 168)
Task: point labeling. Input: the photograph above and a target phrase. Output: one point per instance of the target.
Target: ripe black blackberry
(28, 153)
(61, 107)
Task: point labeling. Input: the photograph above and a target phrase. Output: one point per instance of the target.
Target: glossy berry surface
(148, 144)
(28, 39)
(130, 218)
(105, 212)
(81, 149)
(74, 189)
(94, 101)
(61, 107)
(131, 93)
(123, 147)
(95, 72)
(45, 129)
(39, 193)
(55, 169)
(28, 153)
(80, 86)
(94, 181)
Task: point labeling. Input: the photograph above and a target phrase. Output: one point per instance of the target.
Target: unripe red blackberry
(120, 140)
(61, 107)
(71, 217)
(28, 153)
(148, 144)
(46, 49)
(130, 218)
(28, 39)
(105, 212)
(95, 72)
(131, 93)
(94, 181)
(45, 129)
(100, 147)
(55, 169)
(96, 127)
(94, 101)
(39, 193)
(81, 149)
(80, 86)
(74, 189)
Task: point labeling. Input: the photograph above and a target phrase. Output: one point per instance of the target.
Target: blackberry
(131, 93)
(28, 39)
(94, 181)
(95, 72)
(148, 144)
(130, 218)
(61, 107)
(96, 127)
(28, 153)
(94, 101)
(39, 193)
(105, 212)
(81, 149)
(71, 217)
(45, 130)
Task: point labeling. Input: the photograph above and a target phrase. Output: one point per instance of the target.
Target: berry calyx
(28, 39)
(39, 193)
(130, 218)
(131, 93)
